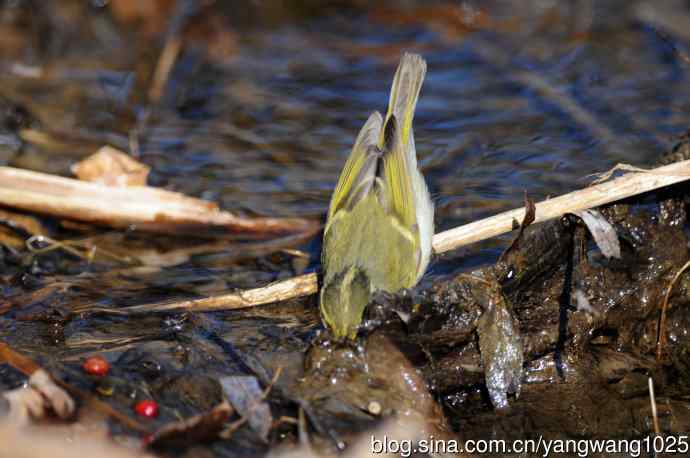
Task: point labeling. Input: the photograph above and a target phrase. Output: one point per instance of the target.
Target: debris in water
(193, 430)
(147, 408)
(96, 365)
(582, 303)
(246, 396)
(602, 231)
(501, 350)
(34, 401)
(111, 167)
(144, 207)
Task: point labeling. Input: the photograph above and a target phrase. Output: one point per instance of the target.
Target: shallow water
(519, 97)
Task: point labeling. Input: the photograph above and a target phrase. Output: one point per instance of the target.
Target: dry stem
(652, 402)
(143, 207)
(594, 196)
(661, 328)
(303, 285)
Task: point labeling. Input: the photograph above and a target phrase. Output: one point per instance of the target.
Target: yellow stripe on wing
(367, 138)
(397, 182)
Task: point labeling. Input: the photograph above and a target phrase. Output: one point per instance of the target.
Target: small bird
(381, 218)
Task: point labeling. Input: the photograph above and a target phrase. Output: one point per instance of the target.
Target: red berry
(96, 365)
(147, 408)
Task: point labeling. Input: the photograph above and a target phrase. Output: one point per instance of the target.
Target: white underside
(424, 209)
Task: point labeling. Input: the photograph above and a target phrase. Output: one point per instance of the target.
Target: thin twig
(553, 93)
(661, 328)
(165, 64)
(674, 47)
(627, 185)
(283, 420)
(80, 248)
(652, 400)
(302, 431)
(303, 285)
(174, 39)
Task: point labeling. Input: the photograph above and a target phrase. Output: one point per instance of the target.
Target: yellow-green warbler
(380, 221)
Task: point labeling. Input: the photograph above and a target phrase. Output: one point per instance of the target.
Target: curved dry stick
(594, 196)
(661, 328)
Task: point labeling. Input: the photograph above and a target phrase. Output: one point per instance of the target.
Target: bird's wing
(359, 173)
(382, 154)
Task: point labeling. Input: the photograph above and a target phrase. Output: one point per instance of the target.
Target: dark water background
(264, 103)
(266, 128)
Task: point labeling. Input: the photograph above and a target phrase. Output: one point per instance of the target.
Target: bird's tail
(404, 94)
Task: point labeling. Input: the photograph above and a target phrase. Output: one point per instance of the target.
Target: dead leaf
(530, 216)
(245, 394)
(27, 224)
(111, 167)
(602, 231)
(501, 350)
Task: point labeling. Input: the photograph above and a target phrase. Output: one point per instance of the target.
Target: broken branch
(143, 207)
(303, 285)
(628, 185)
